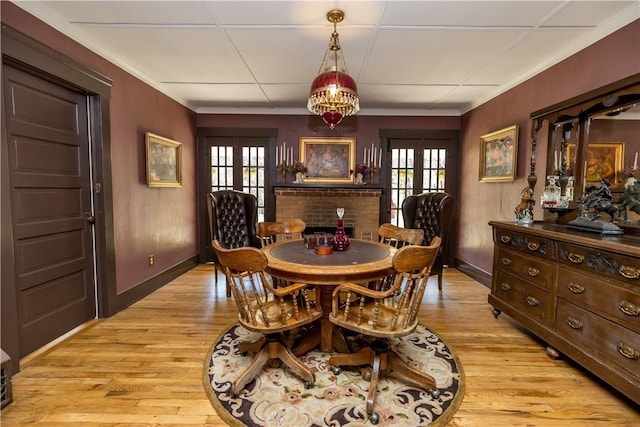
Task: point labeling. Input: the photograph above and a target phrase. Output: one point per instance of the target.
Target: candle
(555, 160)
(635, 162)
(371, 156)
(374, 157)
(277, 149)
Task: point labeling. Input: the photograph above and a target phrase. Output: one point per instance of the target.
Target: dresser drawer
(620, 267)
(524, 243)
(611, 343)
(523, 296)
(620, 304)
(530, 269)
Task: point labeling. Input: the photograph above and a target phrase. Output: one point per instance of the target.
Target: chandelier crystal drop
(333, 94)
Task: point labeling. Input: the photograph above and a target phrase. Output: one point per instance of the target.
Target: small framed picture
(164, 161)
(499, 155)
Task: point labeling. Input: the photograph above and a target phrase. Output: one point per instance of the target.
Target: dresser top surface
(625, 244)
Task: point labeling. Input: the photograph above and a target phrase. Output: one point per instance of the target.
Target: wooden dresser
(580, 292)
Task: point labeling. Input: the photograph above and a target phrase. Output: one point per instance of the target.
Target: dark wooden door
(51, 211)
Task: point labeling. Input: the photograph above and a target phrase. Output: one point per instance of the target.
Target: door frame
(29, 55)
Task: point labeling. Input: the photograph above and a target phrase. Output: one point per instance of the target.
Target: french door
(418, 162)
(239, 165)
(236, 162)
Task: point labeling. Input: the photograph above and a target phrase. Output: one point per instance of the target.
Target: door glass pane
(402, 170)
(253, 175)
(433, 176)
(221, 167)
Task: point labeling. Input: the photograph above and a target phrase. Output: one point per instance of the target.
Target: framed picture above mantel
(328, 160)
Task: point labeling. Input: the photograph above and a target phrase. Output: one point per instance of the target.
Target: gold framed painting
(604, 160)
(164, 161)
(499, 155)
(328, 160)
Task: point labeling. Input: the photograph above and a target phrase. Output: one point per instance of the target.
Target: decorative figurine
(596, 200)
(524, 209)
(630, 199)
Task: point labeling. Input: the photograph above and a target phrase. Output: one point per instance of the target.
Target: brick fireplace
(317, 207)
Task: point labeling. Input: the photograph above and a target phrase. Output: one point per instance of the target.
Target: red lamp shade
(333, 94)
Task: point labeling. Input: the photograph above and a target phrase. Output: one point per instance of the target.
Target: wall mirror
(589, 137)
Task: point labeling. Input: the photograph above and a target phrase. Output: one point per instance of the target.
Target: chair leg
(272, 348)
(277, 350)
(406, 373)
(383, 360)
(440, 281)
(362, 357)
(250, 346)
(257, 363)
(373, 383)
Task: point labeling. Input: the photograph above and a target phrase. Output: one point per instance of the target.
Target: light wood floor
(143, 366)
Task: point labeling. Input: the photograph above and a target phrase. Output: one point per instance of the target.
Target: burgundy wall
(612, 58)
(158, 221)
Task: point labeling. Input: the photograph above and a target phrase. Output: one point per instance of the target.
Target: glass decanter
(340, 241)
(551, 193)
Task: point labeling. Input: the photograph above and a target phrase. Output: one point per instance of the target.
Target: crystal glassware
(340, 241)
(551, 193)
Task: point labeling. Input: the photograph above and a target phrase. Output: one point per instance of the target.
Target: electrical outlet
(152, 260)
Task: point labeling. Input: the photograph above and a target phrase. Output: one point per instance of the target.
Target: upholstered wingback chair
(433, 213)
(232, 221)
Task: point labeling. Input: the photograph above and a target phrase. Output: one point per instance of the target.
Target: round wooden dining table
(363, 262)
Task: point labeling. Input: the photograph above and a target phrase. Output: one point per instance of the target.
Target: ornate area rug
(277, 397)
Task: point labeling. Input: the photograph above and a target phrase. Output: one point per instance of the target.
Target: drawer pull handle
(574, 323)
(533, 246)
(576, 258)
(532, 301)
(506, 261)
(505, 239)
(629, 309)
(629, 272)
(533, 272)
(627, 351)
(575, 288)
(505, 286)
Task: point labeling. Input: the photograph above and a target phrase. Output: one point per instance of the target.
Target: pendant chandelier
(333, 93)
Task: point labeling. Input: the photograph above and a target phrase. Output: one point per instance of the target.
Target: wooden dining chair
(395, 236)
(271, 232)
(265, 310)
(383, 315)
(398, 236)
